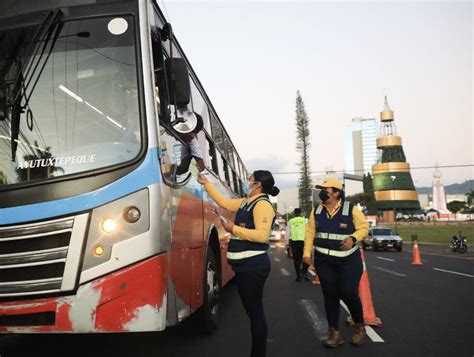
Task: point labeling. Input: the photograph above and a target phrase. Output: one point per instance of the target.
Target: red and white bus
(98, 233)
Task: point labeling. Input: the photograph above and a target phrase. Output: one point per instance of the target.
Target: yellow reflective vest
(297, 228)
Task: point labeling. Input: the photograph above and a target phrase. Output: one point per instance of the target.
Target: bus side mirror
(178, 81)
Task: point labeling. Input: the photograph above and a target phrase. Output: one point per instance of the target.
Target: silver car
(276, 232)
(382, 238)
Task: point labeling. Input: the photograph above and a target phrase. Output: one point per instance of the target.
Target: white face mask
(248, 187)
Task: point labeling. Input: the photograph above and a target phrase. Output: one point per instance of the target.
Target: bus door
(186, 215)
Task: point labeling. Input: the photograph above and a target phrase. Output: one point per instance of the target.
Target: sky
(253, 56)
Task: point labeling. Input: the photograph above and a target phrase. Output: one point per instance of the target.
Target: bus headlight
(108, 225)
(114, 222)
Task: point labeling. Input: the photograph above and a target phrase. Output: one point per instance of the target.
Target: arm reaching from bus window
(190, 151)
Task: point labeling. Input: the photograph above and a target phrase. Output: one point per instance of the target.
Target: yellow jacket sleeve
(360, 223)
(263, 215)
(309, 236)
(226, 203)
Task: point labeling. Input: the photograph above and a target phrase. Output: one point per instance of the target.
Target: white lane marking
(388, 259)
(319, 323)
(390, 272)
(285, 272)
(272, 246)
(454, 272)
(277, 259)
(373, 335)
(369, 330)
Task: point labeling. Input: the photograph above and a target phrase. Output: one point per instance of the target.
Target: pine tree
(368, 186)
(303, 146)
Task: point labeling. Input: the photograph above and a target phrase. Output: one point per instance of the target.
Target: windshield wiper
(48, 30)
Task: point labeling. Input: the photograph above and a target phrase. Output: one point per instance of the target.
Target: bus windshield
(68, 100)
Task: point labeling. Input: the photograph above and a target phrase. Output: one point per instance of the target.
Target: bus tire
(209, 313)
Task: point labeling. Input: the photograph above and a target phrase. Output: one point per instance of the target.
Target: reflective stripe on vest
(241, 249)
(244, 254)
(331, 236)
(329, 243)
(338, 253)
(345, 208)
(297, 228)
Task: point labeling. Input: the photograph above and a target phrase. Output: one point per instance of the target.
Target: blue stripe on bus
(146, 174)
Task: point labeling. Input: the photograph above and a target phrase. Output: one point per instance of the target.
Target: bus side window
(175, 158)
(220, 165)
(227, 176)
(212, 156)
(236, 183)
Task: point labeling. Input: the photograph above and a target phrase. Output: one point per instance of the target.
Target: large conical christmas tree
(392, 182)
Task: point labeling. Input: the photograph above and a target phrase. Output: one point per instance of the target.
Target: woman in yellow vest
(337, 226)
(247, 250)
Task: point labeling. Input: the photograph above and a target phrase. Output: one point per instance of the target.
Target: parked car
(382, 238)
(277, 232)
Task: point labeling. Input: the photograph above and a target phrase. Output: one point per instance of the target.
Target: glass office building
(360, 145)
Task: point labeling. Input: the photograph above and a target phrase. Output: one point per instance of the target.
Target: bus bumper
(129, 300)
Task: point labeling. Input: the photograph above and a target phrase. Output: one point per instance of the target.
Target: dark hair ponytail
(268, 183)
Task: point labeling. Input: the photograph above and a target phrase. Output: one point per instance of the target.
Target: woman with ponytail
(247, 250)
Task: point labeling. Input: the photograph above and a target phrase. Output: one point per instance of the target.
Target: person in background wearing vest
(296, 233)
(247, 250)
(338, 226)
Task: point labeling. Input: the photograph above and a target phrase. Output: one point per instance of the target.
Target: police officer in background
(296, 233)
(337, 226)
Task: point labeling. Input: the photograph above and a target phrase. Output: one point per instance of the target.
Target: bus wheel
(209, 313)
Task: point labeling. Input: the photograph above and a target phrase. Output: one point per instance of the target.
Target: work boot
(335, 338)
(358, 334)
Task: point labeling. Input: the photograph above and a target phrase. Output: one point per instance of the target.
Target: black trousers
(340, 281)
(250, 287)
(297, 247)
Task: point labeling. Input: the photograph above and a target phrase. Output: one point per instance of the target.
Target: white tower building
(439, 197)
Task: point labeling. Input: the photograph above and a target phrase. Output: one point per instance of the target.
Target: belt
(337, 253)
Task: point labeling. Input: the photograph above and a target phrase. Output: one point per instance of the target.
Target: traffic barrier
(366, 298)
(416, 260)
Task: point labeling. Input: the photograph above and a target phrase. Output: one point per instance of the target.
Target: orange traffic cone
(366, 298)
(416, 254)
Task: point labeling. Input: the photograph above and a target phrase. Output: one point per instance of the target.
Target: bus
(98, 231)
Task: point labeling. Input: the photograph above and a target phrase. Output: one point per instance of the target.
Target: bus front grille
(34, 257)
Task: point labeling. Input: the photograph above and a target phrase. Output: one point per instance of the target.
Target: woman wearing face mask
(247, 250)
(337, 226)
